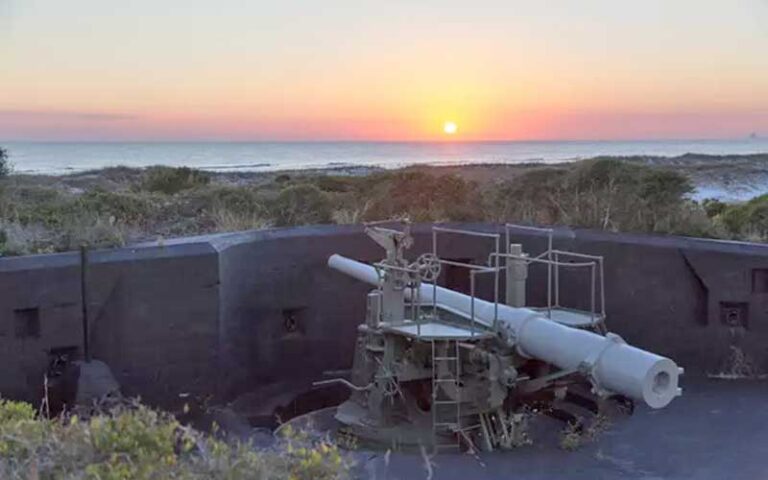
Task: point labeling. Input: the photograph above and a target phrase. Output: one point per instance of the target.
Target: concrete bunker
(254, 318)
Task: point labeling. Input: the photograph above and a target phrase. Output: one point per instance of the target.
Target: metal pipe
(538, 260)
(577, 254)
(465, 232)
(612, 364)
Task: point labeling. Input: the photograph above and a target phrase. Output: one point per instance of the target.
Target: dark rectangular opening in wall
(760, 280)
(27, 322)
(734, 314)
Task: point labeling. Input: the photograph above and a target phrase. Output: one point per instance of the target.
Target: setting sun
(450, 128)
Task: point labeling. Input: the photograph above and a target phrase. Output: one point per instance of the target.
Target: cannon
(434, 366)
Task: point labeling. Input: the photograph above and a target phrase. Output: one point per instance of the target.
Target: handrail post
(602, 289)
(472, 302)
(549, 272)
(592, 299)
(434, 284)
(557, 279)
(496, 288)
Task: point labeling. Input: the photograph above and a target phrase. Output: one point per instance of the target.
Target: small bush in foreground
(138, 443)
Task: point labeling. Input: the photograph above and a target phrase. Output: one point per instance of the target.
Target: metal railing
(474, 270)
(596, 270)
(552, 258)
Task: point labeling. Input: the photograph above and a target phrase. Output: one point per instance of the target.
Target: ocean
(60, 158)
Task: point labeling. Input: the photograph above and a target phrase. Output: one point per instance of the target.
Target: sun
(450, 128)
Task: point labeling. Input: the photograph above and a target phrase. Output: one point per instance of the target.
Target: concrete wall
(154, 318)
(260, 314)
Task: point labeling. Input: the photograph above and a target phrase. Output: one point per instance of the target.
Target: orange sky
(336, 70)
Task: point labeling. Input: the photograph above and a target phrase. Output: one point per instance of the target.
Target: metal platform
(437, 331)
(571, 317)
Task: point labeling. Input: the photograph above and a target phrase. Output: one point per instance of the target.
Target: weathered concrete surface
(232, 314)
(716, 431)
(153, 318)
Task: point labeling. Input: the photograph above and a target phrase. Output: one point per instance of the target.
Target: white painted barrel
(614, 365)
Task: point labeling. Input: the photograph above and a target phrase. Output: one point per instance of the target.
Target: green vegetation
(136, 443)
(602, 193)
(5, 164)
(121, 205)
(170, 180)
(746, 220)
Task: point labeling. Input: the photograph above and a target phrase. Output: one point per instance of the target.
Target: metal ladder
(446, 411)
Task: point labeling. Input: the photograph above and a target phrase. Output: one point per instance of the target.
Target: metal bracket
(587, 366)
(513, 334)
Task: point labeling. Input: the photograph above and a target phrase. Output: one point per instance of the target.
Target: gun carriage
(437, 367)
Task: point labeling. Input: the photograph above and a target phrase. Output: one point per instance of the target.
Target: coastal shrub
(219, 208)
(533, 197)
(602, 193)
(225, 220)
(118, 177)
(34, 204)
(134, 442)
(5, 164)
(18, 239)
(713, 207)
(424, 197)
(747, 220)
(92, 230)
(171, 180)
(283, 178)
(663, 198)
(42, 219)
(335, 183)
(350, 215)
(11, 411)
(302, 204)
(123, 207)
(244, 200)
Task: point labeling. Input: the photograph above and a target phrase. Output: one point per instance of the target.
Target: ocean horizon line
(746, 138)
(69, 157)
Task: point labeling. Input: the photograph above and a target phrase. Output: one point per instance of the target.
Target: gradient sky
(382, 70)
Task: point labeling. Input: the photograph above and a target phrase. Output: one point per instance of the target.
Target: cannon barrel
(612, 365)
